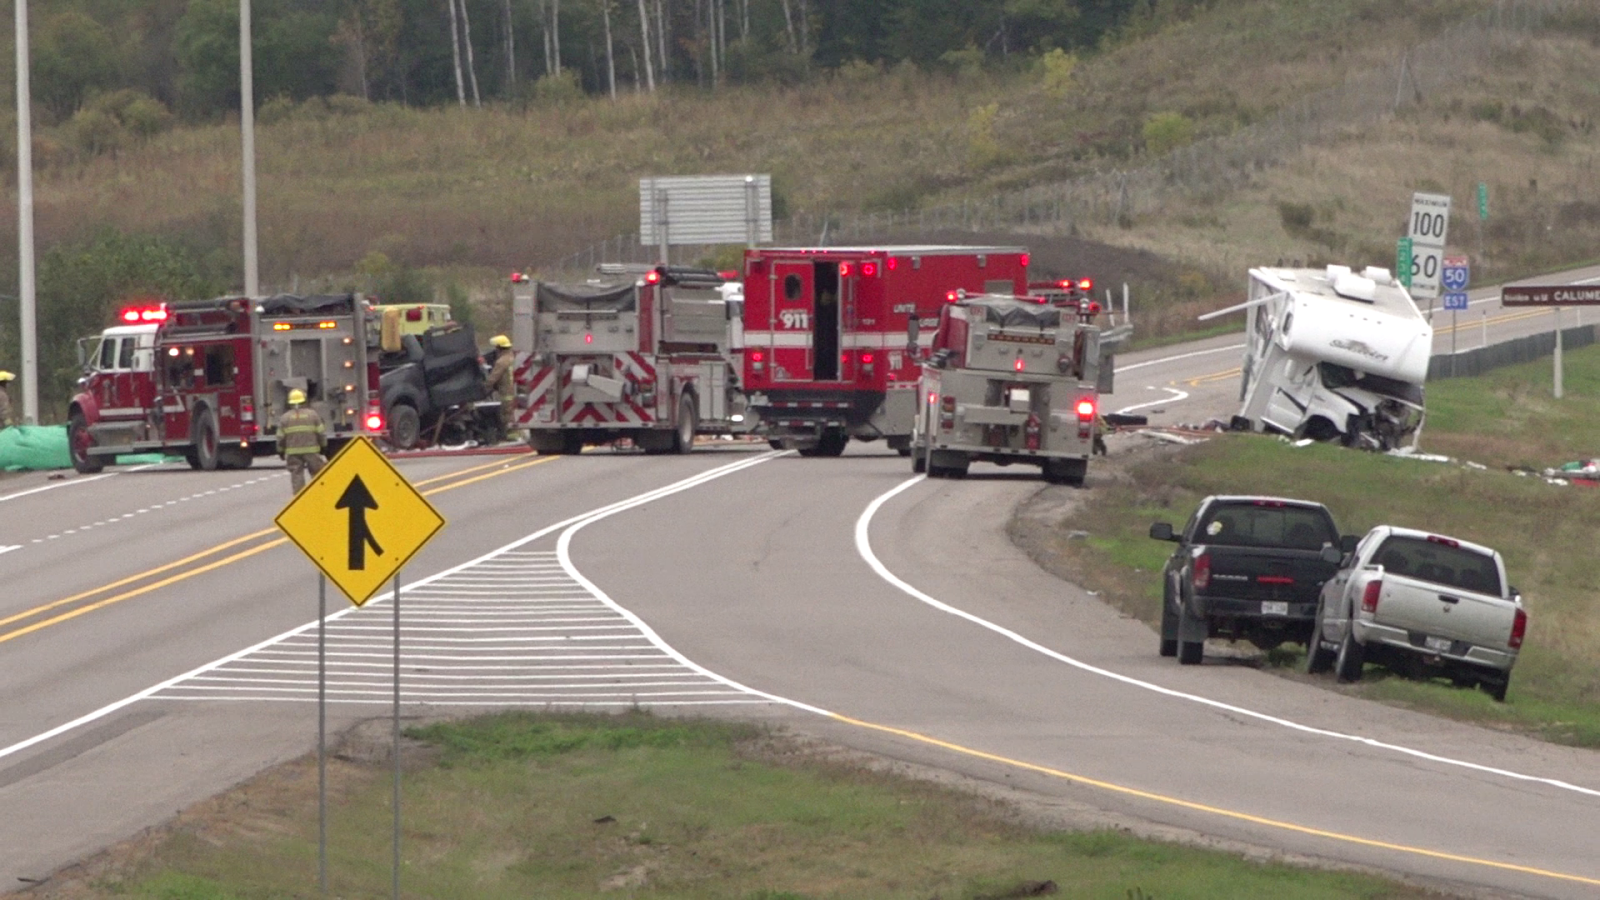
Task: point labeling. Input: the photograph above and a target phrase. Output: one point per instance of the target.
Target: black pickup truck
(433, 389)
(1246, 568)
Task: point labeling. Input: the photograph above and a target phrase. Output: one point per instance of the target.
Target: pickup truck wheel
(405, 426)
(774, 443)
(79, 440)
(1169, 626)
(206, 441)
(1318, 658)
(1497, 689)
(1190, 653)
(1347, 665)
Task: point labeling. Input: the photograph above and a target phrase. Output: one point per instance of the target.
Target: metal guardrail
(1479, 360)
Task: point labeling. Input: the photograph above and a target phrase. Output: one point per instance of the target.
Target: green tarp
(34, 447)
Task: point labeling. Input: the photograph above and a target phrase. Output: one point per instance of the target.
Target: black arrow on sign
(358, 500)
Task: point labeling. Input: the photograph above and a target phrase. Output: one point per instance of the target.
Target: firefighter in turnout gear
(5, 400)
(301, 439)
(503, 382)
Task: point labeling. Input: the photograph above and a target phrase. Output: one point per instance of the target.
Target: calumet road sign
(1550, 295)
(359, 520)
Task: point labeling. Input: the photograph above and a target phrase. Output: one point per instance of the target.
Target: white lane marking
(864, 548)
(115, 519)
(10, 548)
(1176, 396)
(1166, 359)
(62, 484)
(267, 644)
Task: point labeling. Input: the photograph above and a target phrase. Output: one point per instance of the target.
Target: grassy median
(1500, 431)
(558, 806)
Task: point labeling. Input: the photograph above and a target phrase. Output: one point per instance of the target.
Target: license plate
(1437, 644)
(1275, 607)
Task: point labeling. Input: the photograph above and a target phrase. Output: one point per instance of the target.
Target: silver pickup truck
(1423, 605)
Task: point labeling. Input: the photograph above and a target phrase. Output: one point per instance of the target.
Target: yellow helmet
(6, 376)
(500, 341)
(297, 397)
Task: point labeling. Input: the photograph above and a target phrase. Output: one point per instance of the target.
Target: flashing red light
(1019, 364)
(652, 277)
(588, 339)
(374, 421)
(1094, 308)
(869, 269)
(951, 297)
(1065, 284)
(728, 274)
(757, 356)
(1085, 284)
(891, 263)
(516, 277)
(844, 270)
(866, 358)
(1085, 409)
(1369, 597)
(1025, 259)
(135, 315)
(1519, 630)
(933, 397)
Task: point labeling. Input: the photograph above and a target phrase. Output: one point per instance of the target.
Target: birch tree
(611, 60)
(472, 69)
(644, 31)
(455, 53)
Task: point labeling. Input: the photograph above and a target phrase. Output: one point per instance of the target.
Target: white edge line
(594, 515)
(563, 547)
(864, 548)
(1177, 396)
(62, 484)
(1166, 359)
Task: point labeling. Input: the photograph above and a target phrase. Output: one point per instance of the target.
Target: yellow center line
(90, 607)
(1214, 376)
(1497, 320)
(1212, 810)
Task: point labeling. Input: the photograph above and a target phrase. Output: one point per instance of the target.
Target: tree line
(183, 54)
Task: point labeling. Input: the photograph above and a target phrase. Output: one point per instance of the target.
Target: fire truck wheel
(405, 426)
(919, 460)
(683, 438)
(775, 444)
(832, 443)
(204, 456)
(234, 458)
(78, 442)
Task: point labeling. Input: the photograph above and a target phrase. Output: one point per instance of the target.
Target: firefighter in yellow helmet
(5, 399)
(302, 437)
(503, 381)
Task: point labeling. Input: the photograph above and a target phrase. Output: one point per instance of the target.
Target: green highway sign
(1483, 200)
(1402, 260)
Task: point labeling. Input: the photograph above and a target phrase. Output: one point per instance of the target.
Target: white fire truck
(207, 379)
(1333, 354)
(650, 356)
(1009, 380)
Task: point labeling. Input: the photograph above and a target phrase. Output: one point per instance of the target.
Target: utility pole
(26, 298)
(247, 132)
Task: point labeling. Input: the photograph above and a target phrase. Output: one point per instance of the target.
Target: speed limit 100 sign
(1429, 227)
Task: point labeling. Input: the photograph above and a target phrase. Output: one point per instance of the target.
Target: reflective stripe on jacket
(301, 431)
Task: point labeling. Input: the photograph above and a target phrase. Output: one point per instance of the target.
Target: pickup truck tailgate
(1268, 573)
(1439, 610)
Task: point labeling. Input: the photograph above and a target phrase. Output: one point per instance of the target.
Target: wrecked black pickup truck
(434, 391)
(1246, 568)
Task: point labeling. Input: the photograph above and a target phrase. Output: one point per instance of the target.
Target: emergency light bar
(136, 315)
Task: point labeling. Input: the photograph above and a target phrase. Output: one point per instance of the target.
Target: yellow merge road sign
(359, 520)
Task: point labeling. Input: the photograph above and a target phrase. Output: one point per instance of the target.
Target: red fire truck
(826, 334)
(207, 379)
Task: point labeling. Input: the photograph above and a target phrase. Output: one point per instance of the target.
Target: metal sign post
(359, 520)
(1553, 296)
(1455, 276)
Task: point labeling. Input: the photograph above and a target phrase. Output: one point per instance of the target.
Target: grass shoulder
(548, 805)
(1496, 429)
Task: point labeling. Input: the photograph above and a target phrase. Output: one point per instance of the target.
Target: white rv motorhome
(1333, 354)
